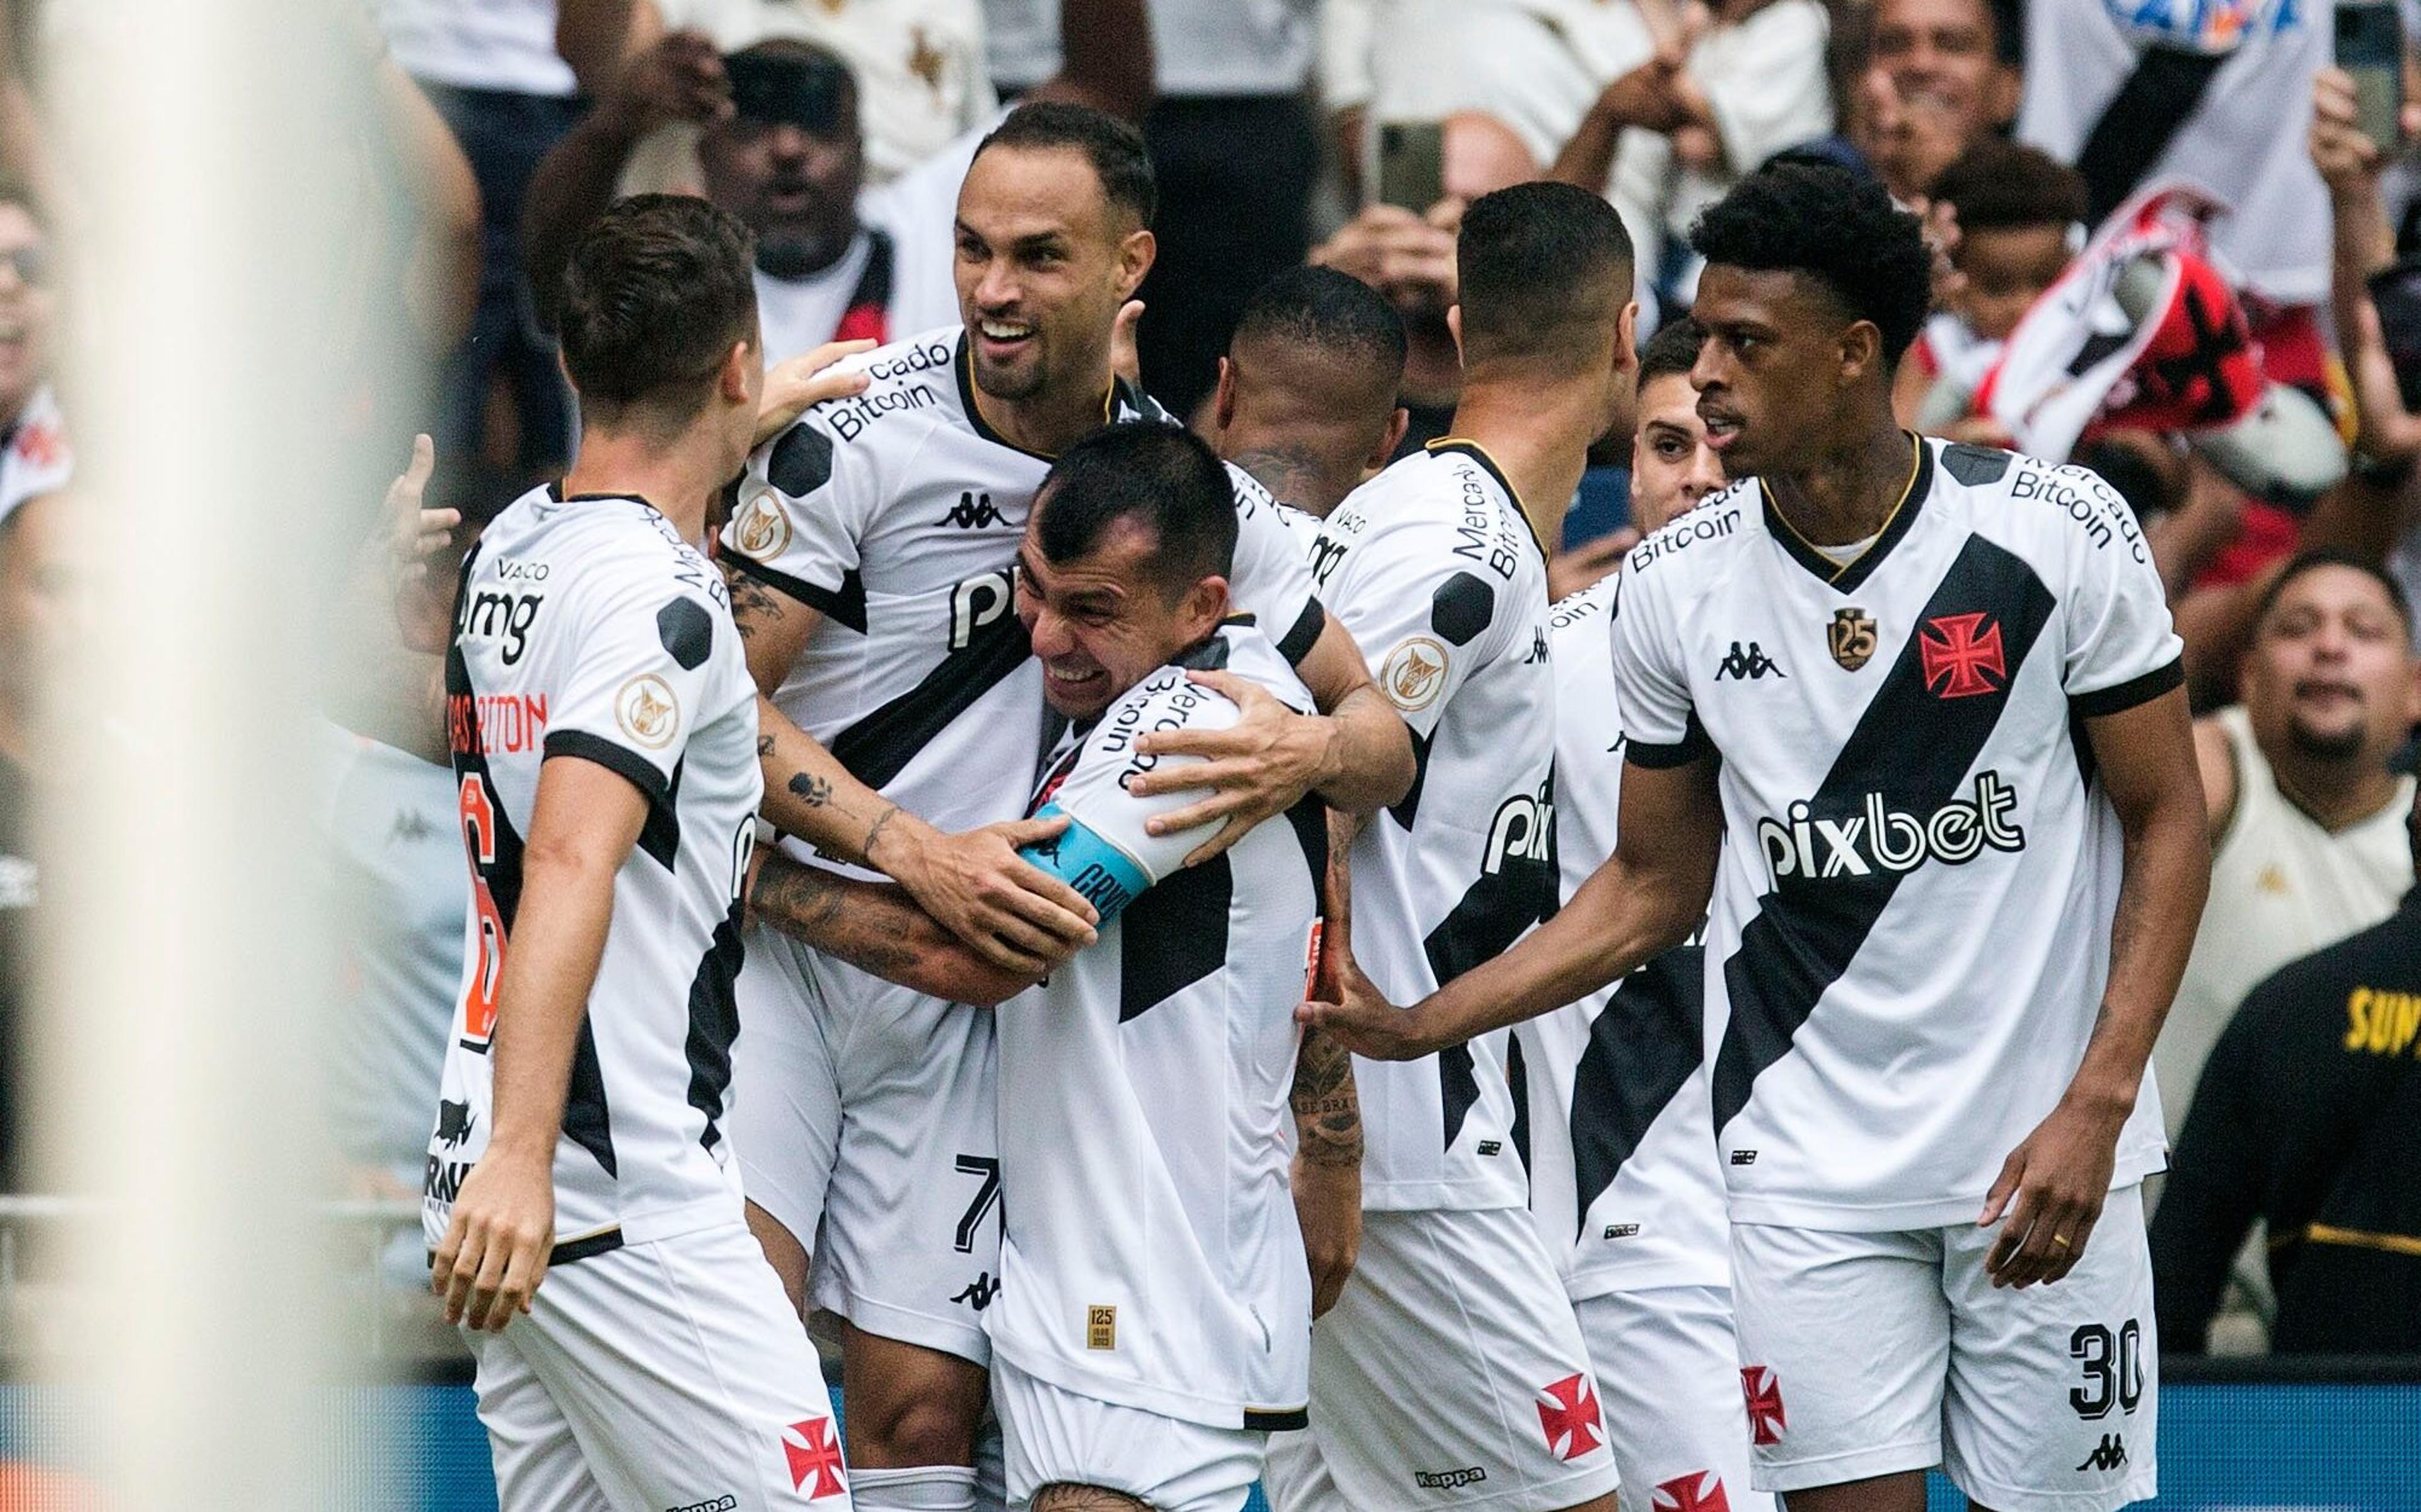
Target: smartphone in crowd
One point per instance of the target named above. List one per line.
(1411, 165)
(2370, 47)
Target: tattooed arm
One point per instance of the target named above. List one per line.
(1327, 1112)
(877, 928)
(975, 884)
(2053, 1186)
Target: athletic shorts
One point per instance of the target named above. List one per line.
(1051, 1436)
(1669, 1377)
(866, 1109)
(669, 1375)
(1875, 1353)
(1450, 1374)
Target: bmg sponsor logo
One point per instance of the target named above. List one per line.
(1875, 838)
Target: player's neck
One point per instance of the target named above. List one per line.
(1847, 495)
(1052, 421)
(1539, 441)
(681, 479)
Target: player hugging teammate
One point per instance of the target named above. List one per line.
(1083, 781)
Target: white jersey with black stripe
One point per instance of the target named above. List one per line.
(896, 514)
(1149, 1253)
(1432, 567)
(1620, 1149)
(586, 628)
(1910, 926)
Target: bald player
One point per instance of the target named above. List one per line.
(1309, 389)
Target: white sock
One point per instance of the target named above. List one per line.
(919, 1488)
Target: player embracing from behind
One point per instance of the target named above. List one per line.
(604, 727)
(1912, 714)
(1451, 1373)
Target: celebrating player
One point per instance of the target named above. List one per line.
(604, 729)
(1308, 392)
(1451, 1371)
(873, 547)
(1912, 714)
(1623, 1179)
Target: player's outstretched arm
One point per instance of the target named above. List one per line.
(1328, 1113)
(1016, 917)
(2052, 1188)
(1357, 755)
(1645, 900)
(876, 927)
(583, 824)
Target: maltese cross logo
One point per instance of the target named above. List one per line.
(1701, 1491)
(1568, 1412)
(1763, 1390)
(817, 1460)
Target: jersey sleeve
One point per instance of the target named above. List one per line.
(1423, 616)
(1106, 853)
(802, 506)
(1272, 579)
(2122, 651)
(1660, 725)
(642, 671)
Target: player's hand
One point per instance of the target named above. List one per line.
(414, 536)
(495, 1249)
(1125, 352)
(1328, 1208)
(796, 384)
(2050, 1195)
(1362, 1021)
(1008, 911)
(1570, 572)
(1257, 768)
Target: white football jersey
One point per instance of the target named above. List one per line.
(1432, 567)
(587, 628)
(1149, 1255)
(1910, 925)
(1620, 1140)
(896, 514)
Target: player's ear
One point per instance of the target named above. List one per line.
(1223, 401)
(1626, 344)
(1205, 606)
(1454, 327)
(731, 379)
(1397, 423)
(1137, 253)
(1862, 350)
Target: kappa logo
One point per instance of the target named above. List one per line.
(725, 1503)
(1962, 656)
(974, 511)
(1762, 1390)
(1749, 665)
(1701, 1491)
(980, 1291)
(1449, 1480)
(1538, 648)
(814, 1454)
(410, 826)
(1568, 1415)
(2110, 1454)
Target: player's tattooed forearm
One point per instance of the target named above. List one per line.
(1327, 1113)
(752, 603)
(764, 746)
(874, 831)
(1288, 472)
(813, 905)
(816, 792)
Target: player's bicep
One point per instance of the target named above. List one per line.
(586, 815)
(1334, 667)
(774, 626)
(1670, 830)
(2143, 757)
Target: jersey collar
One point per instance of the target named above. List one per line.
(1477, 453)
(1845, 576)
(964, 367)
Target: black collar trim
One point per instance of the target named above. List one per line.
(1845, 577)
(1479, 454)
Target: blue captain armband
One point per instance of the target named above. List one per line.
(1106, 876)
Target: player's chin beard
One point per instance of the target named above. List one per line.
(1012, 386)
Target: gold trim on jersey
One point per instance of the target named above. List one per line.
(1915, 470)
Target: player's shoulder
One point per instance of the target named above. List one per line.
(2034, 507)
(1701, 542)
(1447, 496)
(910, 386)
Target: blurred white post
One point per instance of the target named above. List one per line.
(214, 330)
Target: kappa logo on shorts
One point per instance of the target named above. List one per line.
(1449, 1480)
(2110, 1454)
(1567, 1414)
(814, 1454)
(1762, 1390)
(1701, 1491)
(725, 1503)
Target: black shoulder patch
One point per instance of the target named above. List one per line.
(802, 461)
(1976, 465)
(687, 631)
(1462, 608)
(1211, 656)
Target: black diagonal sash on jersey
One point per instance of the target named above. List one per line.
(714, 1024)
(1640, 1052)
(1175, 935)
(1913, 749)
(877, 747)
(1498, 909)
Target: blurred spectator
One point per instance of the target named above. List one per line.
(919, 64)
(38, 614)
(2307, 821)
(2309, 1119)
(1307, 391)
(35, 457)
(1409, 257)
(2018, 213)
(2215, 95)
(495, 70)
(1940, 76)
(1672, 467)
(1676, 134)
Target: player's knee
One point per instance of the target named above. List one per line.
(1067, 1496)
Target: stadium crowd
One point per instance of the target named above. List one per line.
(1373, 254)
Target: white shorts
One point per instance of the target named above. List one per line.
(866, 1107)
(1051, 1436)
(1450, 1374)
(1875, 1353)
(1668, 1375)
(663, 1374)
